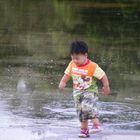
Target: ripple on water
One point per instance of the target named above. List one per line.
(120, 115)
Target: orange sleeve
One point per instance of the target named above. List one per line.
(68, 69)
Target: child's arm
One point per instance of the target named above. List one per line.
(64, 81)
(105, 82)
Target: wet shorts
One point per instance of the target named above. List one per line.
(85, 104)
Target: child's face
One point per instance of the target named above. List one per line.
(79, 59)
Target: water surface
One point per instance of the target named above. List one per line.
(34, 52)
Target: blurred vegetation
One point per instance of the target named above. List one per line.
(38, 34)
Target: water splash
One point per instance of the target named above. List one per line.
(21, 86)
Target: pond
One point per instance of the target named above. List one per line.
(34, 52)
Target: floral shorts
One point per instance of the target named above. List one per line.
(85, 104)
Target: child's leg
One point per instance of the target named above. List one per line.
(96, 122)
(84, 124)
(84, 133)
(96, 126)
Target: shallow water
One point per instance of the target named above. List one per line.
(36, 115)
(55, 108)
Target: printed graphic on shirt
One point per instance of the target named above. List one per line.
(79, 71)
(84, 78)
(81, 82)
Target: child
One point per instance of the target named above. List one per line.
(84, 73)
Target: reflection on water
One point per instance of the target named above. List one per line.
(34, 40)
(55, 108)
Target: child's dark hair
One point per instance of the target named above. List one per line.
(78, 47)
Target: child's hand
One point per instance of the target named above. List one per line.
(63, 81)
(62, 85)
(106, 90)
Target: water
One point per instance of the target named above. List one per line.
(34, 40)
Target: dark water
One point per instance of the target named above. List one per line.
(34, 44)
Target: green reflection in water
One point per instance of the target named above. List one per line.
(36, 35)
